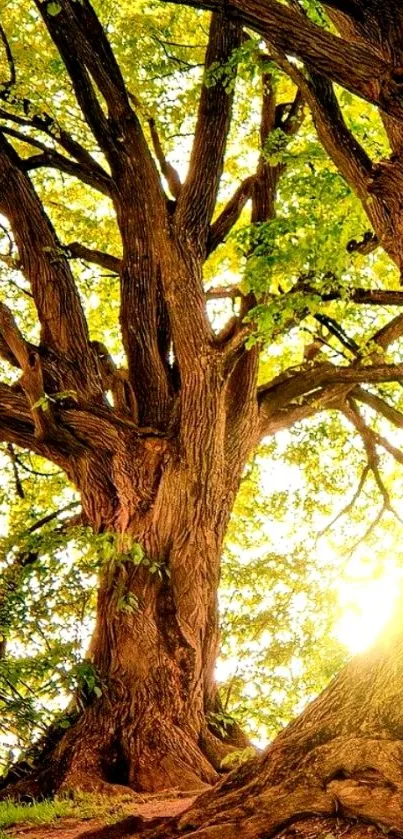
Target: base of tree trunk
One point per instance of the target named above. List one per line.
(96, 754)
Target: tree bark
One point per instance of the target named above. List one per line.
(341, 758)
(160, 507)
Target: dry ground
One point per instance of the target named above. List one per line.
(154, 808)
(150, 808)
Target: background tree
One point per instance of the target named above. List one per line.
(156, 447)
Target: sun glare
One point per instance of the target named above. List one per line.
(367, 605)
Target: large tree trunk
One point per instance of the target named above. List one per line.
(343, 757)
(160, 508)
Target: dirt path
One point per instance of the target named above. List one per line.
(68, 828)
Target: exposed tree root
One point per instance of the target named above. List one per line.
(343, 757)
(368, 799)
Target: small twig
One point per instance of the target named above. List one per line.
(51, 516)
(370, 529)
(35, 471)
(11, 64)
(230, 688)
(370, 440)
(392, 450)
(175, 58)
(18, 484)
(348, 507)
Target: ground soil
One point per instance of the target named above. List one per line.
(149, 808)
(153, 809)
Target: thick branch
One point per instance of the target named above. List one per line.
(339, 142)
(17, 426)
(6, 85)
(46, 124)
(267, 176)
(379, 405)
(375, 22)
(367, 244)
(389, 333)
(291, 123)
(272, 421)
(117, 382)
(81, 57)
(230, 214)
(105, 260)
(92, 175)
(276, 413)
(64, 38)
(138, 195)
(52, 160)
(59, 308)
(346, 152)
(361, 296)
(169, 172)
(199, 193)
(243, 408)
(87, 55)
(32, 379)
(77, 26)
(6, 354)
(281, 393)
(359, 69)
(224, 293)
(143, 318)
(12, 337)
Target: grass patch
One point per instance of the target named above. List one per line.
(47, 812)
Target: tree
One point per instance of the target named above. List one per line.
(342, 756)
(157, 448)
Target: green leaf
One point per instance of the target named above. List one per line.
(53, 8)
